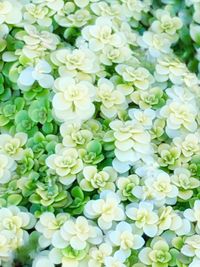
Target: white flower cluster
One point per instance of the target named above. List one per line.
(119, 230)
(11, 151)
(13, 234)
(127, 110)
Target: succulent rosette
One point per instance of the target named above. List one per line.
(100, 133)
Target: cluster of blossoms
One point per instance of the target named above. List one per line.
(100, 133)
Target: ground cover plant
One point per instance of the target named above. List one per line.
(100, 133)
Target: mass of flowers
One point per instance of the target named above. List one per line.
(100, 133)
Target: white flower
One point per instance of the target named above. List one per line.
(7, 246)
(166, 23)
(125, 238)
(82, 3)
(55, 5)
(191, 247)
(189, 145)
(196, 10)
(179, 116)
(156, 44)
(145, 193)
(149, 170)
(76, 19)
(161, 187)
(68, 257)
(111, 55)
(12, 146)
(48, 225)
(157, 254)
(140, 77)
(13, 219)
(94, 179)
(13, 224)
(169, 67)
(106, 209)
(121, 167)
(131, 140)
(148, 98)
(7, 166)
(169, 220)
(145, 117)
(185, 183)
(133, 8)
(112, 10)
(74, 136)
(76, 233)
(73, 100)
(25, 78)
(195, 262)
(10, 11)
(114, 262)
(126, 185)
(111, 100)
(37, 14)
(39, 73)
(131, 36)
(37, 42)
(66, 163)
(42, 260)
(193, 215)
(181, 93)
(70, 62)
(191, 80)
(98, 254)
(101, 34)
(144, 217)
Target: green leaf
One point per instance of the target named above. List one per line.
(94, 146)
(6, 94)
(14, 73)
(6, 68)
(3, 44)
(19, 102)
(47, 128)
(29, 95)
(34, 198)
(1, 88)
(1, 78)
(38, 137)
(14, 199)
(21, 115)
(174, 253)
(3, 120)
(76, 192)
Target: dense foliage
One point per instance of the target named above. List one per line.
(100, 133)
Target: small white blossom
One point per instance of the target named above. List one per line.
(13, 146)
(102, 180)
(73, 100)
(7, 166)
(125, 238)
(101, 34)
(66, 163)
(39, 73)
(193, 215)
(131, 140)
(76, 233)
(107, 209)
(144, 217)
(48, 225)
(98, 254)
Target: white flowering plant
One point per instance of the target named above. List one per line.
(99, 133)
